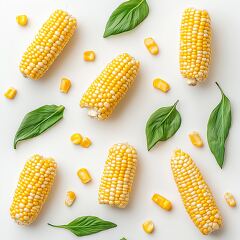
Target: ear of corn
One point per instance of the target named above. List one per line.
(195, 45)
(196, 195)
(118, 175)
(33, 187)
(48, 44)
(111, 85)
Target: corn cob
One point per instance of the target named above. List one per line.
(195, 45)
(118, 175)
(111, 85)
(48, 44)
(196, 195)
(33, 187)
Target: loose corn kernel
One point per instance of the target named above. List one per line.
(65, 85)
(148, 226)
(10, 93)
(151, 45)
(196, 195)
(76, 138)
(22, 20)
(230, 199)
(86, 142)
(162, 202)
(89, 56)
(71, 196)
(195, 139)
(161, 85)
(118, 175)
(84, 175)
(34, 185)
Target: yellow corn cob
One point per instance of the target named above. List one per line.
(195, 45)
(118, 175)
(33, 187)
(196, 195)
(48, 44)
(112, 84)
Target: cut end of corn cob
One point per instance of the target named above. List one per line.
(195, 45)
(33, 187)
(118, 175)
(196, 195)
(111, 85)
(48, 44)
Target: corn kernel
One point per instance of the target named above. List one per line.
(22, 20)
(230, 199)
(71, 196)
(161, 85)
(65, 85)
(195, 139)
(84, 175)
(162, 202)
(89, 56)
(148, 226)
(86, 142)
(10, 93)
(151, 46)
(76, 138)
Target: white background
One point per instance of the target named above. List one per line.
(127, 123)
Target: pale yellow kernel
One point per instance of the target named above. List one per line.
(86, 142)
(195, 139)
(65, 85)
(84, 175)
(89, 56)
(161, 85)
(10, 93)
(22, 20)
(76, 138)
(148, 226)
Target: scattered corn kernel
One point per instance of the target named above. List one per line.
(89, 56)
(148, 226)
(230, 199)
(84, 175)
(151, 45)
(65, 85)
(195, 139)
(71, 196)
(22, 20)
(162, 202)
(161, 85)
(10, 93)
(76, 138)
(86, 142)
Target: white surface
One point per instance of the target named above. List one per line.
(127, 123)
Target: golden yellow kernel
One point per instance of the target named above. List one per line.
(71, 196)
(161, 85)
(22, 20)
(230, 199)
(10, 93)
(89, 56)
(162, 202)
(195, 139)
(76, 138)
(151, 45)
(148, 226)
(84, 175)
(65, 85)
(86, 142)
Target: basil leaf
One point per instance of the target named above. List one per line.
(123, 239)
(37, 121)
(86, 225)
(126, 17)
(162, 125)
(218, 127)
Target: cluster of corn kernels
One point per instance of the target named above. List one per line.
(10, 93)
(195, 139)
(161, 85)
(195, 45)
(195, 193)
(49, 42)
(162, 202)
(34, 184)
(107, 90)
(84, 175)
(118, 175)
(78, 139)
(230, 199)
(151, 45)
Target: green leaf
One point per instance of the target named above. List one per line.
(38, 121)
(86, 225)
(126, 17)
(218, 127)
(123, 239)
(162, 125)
